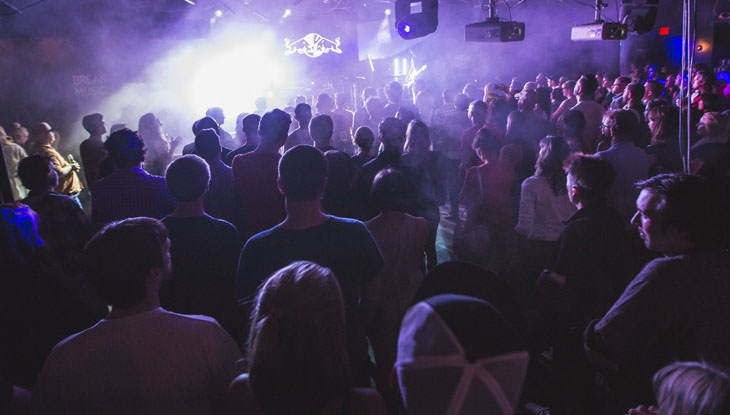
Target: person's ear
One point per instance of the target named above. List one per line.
(574, 193)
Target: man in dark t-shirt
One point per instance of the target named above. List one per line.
(308, 234)
(204, 250)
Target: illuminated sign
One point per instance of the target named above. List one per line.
(312, 45)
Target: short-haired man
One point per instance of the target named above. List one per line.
(586, 277)
(259, 205)
(250, 127)
(204, 249)
(585, 91)
(129, 191)
(630, 163)
(677, 307)
(216, 113)
(219, 199)
(633, 95)
(303, 115)
(139, 359)
(308, 234)
(617, 92)
(711, 153)
(321, 128)
(92, 149)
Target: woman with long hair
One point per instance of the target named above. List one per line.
(297, 351)
(159, 147)
(663, 148)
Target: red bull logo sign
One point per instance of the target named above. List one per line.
(312, 45)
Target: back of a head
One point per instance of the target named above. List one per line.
(461, 102)
(486, 141)
(204, 123)
(392, 133)
(147, 123)
(251, 123)
(125, 148)
(320, 128)
(91, 122)
(187, 178)
(302, 172)
(325, 103)
(389, 192)
(19, 238)
(693, 388)
(716, 124)
(588, 85)
(574, 122)
(623, 123)
(36, 172)
(691, 205)
(364, 137)
(216, 113)
(274, 126)
(208, 144)
(394, 91)
(374, 106)
(592, 176)
(303, 112)
(551, 161)
(448, 337)
(635, 90)
(478, 111)
(297, 344)
(655, 87)
(417, 137)
(119, 258)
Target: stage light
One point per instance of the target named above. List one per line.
(416, 18)
(396, 63)
(219, 13)
(286, 14)
(492, 29)
(599, 31)
(387, 12)
(663, 31)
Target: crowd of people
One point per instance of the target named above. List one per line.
(292, 267)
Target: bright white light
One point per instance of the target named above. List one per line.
(396, 72)
(387, 12)
(405, 66)
(212, 20)
(219, 13)
(286, 14)
(220, 70)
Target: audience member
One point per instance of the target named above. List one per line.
(140, 358)
(303, 114)
(630, 163)
(568, 88)
(129, 191)
(69, 183)
(585, 90)
(250, 125)
(307, 233)
(159, 147)
(227, 141)
(204, 249)
(402, 239)
(617, 92)
(342, 122)
(394, 94)
(220, 198)
(677, 305)
(457, 354)
(297, 350)
(63, 225)
(321, 128)
(92, 149)
(711, 154)
(259, 205)
(13, 153)
(663, 149)
(364, 140)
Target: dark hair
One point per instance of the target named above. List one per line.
(251, 122)
(300, 108)
(665, 128)
(274, 126)
(690, 205)
(320, 128)
(486, 141)
(364, 137)
(204, 123)
(389, 191)
(125, 148)
(394, 90)
(588, 85)
(593, 177)
(417, 137)
(711, 102)
(120, 256)
(623, 123)
(551, 162)
(392, 133)
(655, 87)
(208, 144)
(90, 121)
(636, 89)
(35, 172)
(575, 123)
(302, 171)
(187, 177)
(461, 102)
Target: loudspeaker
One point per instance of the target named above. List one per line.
(639, 15)
(416, 18)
